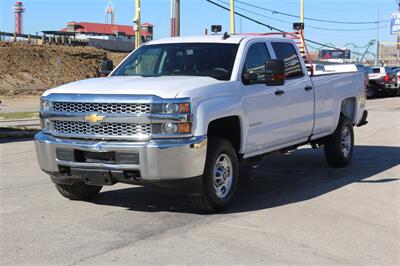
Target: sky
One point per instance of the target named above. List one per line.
(197, 15)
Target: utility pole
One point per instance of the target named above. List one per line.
(178, 17)
(398, 38)
(232, 9)
(302, 11)
(377, 34)
(175, 18)
(136, 21)
(302, 50)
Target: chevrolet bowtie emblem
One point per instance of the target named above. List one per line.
(94, 118)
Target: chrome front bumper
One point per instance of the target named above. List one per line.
(162, 160)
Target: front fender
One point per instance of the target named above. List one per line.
(218, 107)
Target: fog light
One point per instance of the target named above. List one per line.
(46, 124)
(169, 128)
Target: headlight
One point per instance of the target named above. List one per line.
(45, 105)
(171, 108)
(174, 108)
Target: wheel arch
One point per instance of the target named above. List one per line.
(229, 128)
(348, 108)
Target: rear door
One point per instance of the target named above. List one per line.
(299, 93)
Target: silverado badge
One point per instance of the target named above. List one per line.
(94, 118)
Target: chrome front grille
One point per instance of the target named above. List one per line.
(101, 130)
(103, 108)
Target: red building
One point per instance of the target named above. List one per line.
(86, 30)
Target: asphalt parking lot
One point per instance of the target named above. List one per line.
(288, 210)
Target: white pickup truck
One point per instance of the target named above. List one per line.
(181, 113)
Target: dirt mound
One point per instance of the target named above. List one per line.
(25, 67)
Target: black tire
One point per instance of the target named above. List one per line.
(336, 153)
(372, 92)
(209, 201)
(78, 191)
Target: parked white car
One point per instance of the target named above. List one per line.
(181, 113)
(382, 82)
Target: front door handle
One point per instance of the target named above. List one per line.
(279, 92)
(308, 88)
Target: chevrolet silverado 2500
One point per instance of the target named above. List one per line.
(181, 113)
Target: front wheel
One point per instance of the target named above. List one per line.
(339, 146)
(78, 191)
(220, 178)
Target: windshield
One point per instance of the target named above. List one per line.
(181, 59)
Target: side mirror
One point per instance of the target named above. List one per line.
(249, 78)
(106, 67)
(275, 72)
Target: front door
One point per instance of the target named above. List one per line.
(265, 109)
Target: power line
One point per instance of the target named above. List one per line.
(269, 26)
(313, 19)
(313, 27)
(364, 29)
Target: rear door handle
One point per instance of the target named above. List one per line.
(279, 92)
(308, 88)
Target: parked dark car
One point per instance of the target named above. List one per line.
(396, 71)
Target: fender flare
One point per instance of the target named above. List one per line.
(216, 108)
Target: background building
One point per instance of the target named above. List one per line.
(388, 54)
(89, 30)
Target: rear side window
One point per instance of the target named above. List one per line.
(287, 52)
(255, 60)
(376, 70)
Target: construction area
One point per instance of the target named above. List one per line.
(30, 69)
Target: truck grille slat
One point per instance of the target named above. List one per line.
(104, 129)
(104, 108)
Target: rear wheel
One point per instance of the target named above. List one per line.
(78, 191)
(220, 177)
(371, 92)
(339, 146)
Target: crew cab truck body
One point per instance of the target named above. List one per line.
(180, 113)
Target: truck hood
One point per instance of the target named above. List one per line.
(164, 87)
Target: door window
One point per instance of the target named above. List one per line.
(285, 51)
(255, 60)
